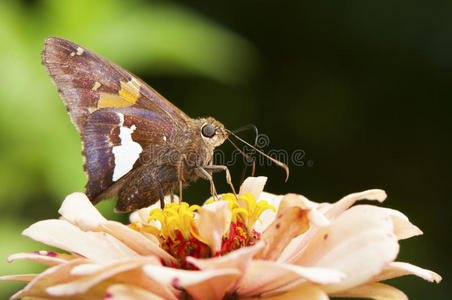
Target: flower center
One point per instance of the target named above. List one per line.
(245, 213)
(177, 229)
(179, 234)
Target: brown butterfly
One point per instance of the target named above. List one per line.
(136, 144)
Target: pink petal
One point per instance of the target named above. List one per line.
(360, 245)
(129, 292)
(238, 259)
(340, 206)
(44, 257)
(291, 222)
(213, 222)
(295, 248)
(314, 216)
(304, 292)
(19, 277)
(90, 277)
(403, 228)
(135, 240)
(51, 276)
(79, 210)
(98, 246)
(253, 185)
(397, 269)
(138, 278)
(206, 285)
(377, 291)
(266, 276)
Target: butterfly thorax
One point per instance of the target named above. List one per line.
(186, 149)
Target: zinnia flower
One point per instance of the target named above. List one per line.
(259, 245)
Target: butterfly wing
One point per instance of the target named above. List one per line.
(88, 82)
(116, 113)
(114, 141)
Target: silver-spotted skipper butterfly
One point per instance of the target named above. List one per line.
(136, 144)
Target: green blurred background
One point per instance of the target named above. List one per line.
(363, 87)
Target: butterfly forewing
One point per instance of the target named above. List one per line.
(116, 113)
(88, 82)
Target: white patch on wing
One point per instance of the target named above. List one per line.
(164, 138)
(127, 153)
(80, 51)
(96, 86)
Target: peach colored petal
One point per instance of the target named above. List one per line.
(51, 276)
(48, 258)
(295, 248)
(376, 290)
(206, 285)
(266, 276)
(403, 228)
(137, 277)
(141, 215)
(129, 292)
(305, 292)
(238, 259)
(356, 244)
(291, 222)
(19, 277)
(253, 185)
(340, 206)
(98, 246)
(397, 269)
(213, 222)
(89, 277)
(78, 210)
(314, 216)
(135, 241)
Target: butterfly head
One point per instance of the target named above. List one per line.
(212, 132)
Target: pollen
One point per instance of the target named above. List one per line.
(245, 209)
(245, 213)
(178, 232)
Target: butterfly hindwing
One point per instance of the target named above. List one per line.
(114, 139)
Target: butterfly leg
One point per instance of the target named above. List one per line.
(218, 168)
(180, 175)
(206, 175)
(180, 190)
(162, 197)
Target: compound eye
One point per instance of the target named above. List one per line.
(208, 130)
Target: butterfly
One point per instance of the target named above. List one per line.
(136, 144)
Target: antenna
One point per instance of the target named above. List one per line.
(277, 162)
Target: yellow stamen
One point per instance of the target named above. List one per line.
(245, 209)
(176, 218)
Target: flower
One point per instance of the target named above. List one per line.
(259, 245)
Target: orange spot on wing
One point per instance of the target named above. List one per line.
(109, 100)
(127, 96)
